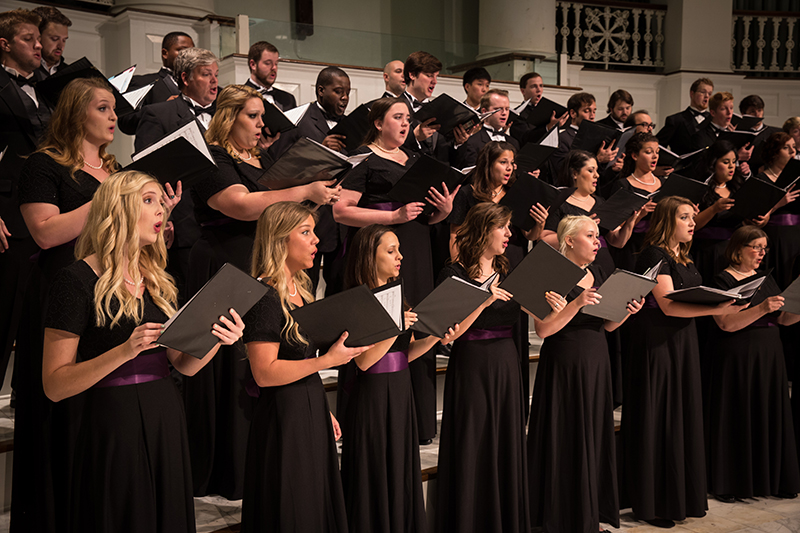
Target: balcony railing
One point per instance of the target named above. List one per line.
(611, 33)
(763, 43)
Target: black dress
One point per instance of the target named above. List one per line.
(749, 430)
(662, 422)
(710, 241)
(374, 178)
(381, 472)
(515, 252)
(625, 257)
(218, 408)
(482, 481)
(783, 230)
(132, 469)
(292, 480)
(44, 432)
(572, 464)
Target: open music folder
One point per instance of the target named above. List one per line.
(189, 329)
(619, 289)
(450, 303)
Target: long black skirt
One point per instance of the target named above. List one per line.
(381, 472)
(132, 471)
(662, 419)
(749, 428)
(482, 476)
(292, 480)
(571, 451)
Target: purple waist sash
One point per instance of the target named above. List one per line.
(650, 302)
(499, 332)
(143, 368)
(642, 226)
(391, 362)
(715, 234)
(764, 322)
(385, 206)
(784, 220)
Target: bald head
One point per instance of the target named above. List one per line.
(393, 77)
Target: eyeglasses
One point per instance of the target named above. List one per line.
(758, 249)
(649, 125)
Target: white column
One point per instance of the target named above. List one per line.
(517, 25)
(697, 36)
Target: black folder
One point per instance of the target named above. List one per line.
(50, 88)
(542, 270)
(449, 303)
(303, 162)
(789, 174)
(354, 127)
(617, 292)
(618, 208)
(677, 185)
(275, 120)
(357, 311)
(189, 329)
(745, 122)
(526, 192)
(754, 198)
(738, 138)
(176, 160)
(532, 156)
(426, 172)
(711, 296)
(669, 159)
(448, 112)
(592, 135)
(542, 113)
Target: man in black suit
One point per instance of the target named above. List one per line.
(263, 62)
(753, 105)
(197, 71)
(531, 86)
(679, 128)
(24, 116)
(494, 129)
(393, 80)
(720, 106)
(54, 32)
(166, 83)
(620, 104)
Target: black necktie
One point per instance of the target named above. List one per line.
(200, 110)
(22, 82)
(331, 118)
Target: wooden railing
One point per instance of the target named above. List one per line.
(611, 33)
(763, 42)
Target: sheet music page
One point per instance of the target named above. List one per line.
(392, 300)
(190, 132)
(136, 96)
(297, 113)
(122, 80)
(551, 139)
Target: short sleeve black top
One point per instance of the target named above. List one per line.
(376, 176)
(498, 314)
(582, 320)
(568, 209)
(231, 172)
(265, 323)
(43, 180)
(725, 281)
(71, 309)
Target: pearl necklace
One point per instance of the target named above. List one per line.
(495, 193)
(723, 186)
(295, 289)
(644, 182)
(132, 284)
(242, 158)
(92, 166)
(741, 273)
(384, 150)
(580, 199)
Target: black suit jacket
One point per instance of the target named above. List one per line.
(610, 122)
(705, 135)
(157, 121)
(565, 138)
(16, 133)
(467, 154)
(162, 91)
(284, 100)
(678, 131)
(43, 72)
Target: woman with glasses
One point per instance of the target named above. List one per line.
(750, 440)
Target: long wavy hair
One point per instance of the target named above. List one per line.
(663, 223)
(230, 102)
(63, 140)
(573, 163)
(362, 249)
(378, 111)
(111, 233)
(269, 258)
(482, 185)
(472, 237)
(708, 168)
(634, 146)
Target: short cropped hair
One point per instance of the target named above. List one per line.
(523, 81)
(420, 62)
(191, 58)
(791, 123)
(578, 100)
(486, 98)
(51, 15)
(616, 96)
(718, 99)
(258, 49)
(476, 73)
(631, 120)
(701, 81)
(752, 101)
(326, 75)
(171, 38)
(10, 20)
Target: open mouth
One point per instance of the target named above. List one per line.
(157, 226)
